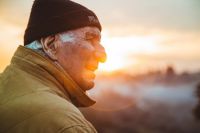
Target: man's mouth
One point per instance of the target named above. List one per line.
(90, 72)
(92, 67)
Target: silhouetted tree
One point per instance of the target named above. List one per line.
(170, 71)
(197, 109)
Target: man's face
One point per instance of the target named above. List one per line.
(79, 52)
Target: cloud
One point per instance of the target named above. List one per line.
(155, 14)
(136, 15)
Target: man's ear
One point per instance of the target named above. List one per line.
(49, 46)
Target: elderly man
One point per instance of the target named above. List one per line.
(48, 77)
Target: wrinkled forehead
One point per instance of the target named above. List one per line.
(82, 32)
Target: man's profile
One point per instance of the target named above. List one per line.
(48, 77)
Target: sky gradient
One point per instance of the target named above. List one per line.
(137, 34)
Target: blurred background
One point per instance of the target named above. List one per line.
(149, 83)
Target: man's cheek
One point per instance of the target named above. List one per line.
(82, 52)
(87, 47)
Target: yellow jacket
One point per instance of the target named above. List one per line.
(37, 96)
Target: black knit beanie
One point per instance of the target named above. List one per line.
(49, 17)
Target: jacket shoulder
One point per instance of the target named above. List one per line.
(46, 112)
(78, 129)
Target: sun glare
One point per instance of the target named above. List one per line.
(114, 62)
(120, 49)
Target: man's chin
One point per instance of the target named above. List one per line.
(88, 84)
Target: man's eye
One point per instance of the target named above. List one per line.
(90, 39)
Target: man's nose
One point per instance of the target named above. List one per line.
(100, 54)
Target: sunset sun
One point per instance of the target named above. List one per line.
(121, 50)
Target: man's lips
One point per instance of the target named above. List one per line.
(92, 67)
(90, 71)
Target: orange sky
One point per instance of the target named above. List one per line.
(140, 35)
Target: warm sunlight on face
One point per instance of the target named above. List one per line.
(119, 49)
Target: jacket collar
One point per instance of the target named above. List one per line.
(43, 67)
